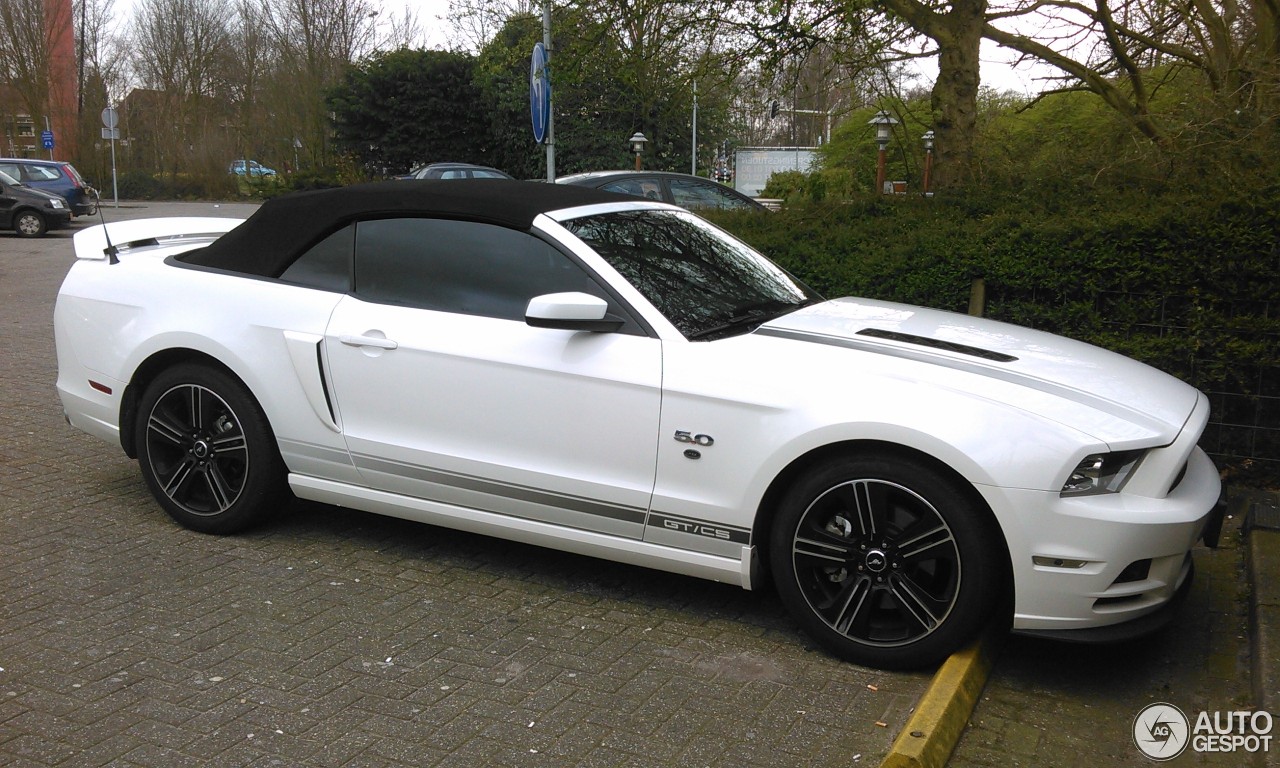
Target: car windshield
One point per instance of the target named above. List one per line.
(708, 284)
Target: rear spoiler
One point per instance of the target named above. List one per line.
(93, 243)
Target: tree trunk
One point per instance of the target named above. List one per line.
(955, 93)
(958, 33)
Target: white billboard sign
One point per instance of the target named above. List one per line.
(754, 165)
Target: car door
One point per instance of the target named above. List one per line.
(445, 393)
(8, 201)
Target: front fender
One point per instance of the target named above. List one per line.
(769, 403)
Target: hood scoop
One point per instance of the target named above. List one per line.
(947, 346)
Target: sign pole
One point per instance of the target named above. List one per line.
(693, 160)
(551, 119)
(110, 122)
(115, 186)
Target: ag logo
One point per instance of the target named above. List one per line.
(1161, 731)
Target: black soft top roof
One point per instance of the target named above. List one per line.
(278, 232)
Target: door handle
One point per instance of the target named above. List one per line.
(367, 341)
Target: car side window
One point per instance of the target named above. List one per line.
(41, 173)
(697, 194)
(327, 265)
(650, 189)
(461, 266)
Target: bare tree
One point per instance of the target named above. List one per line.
(27, 41)
(403, 30)
(315, 40)
(1126, 50)
(475, 22)
(106, 69)
(103, 80)
(181, 49)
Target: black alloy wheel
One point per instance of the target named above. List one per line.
(885, 562)
(206, 450)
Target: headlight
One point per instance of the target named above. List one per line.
(1101, 473)
(55, 203)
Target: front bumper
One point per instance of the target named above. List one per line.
(1129, 630)
(1101, 561)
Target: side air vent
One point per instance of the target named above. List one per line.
(948, 346)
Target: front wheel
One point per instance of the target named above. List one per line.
(885, 561)
(206, 450)
(30, 224)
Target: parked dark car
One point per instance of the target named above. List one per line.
(692, 192)
(57, 177)
(30, 212)
(454, 171)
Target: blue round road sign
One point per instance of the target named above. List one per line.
(539, 93)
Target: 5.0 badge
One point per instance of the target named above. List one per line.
(706, 441)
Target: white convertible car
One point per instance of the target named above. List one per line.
(619, 378)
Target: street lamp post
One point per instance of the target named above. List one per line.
(884, 123)
(928, 160)
(637, 145)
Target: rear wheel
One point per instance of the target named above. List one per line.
(30, 224)
(885, 561)
(207, 451)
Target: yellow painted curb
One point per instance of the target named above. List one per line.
(931, 734)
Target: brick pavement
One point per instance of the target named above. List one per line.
(1052, 704)
(335, 638)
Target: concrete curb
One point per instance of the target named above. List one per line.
(940, 718)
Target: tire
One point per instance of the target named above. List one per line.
(884, 561)
(30, 224)
(207, 451)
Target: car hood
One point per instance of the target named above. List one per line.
(1042, 364)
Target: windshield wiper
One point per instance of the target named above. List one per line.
(749, 316)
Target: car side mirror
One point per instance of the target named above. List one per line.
(571, 312)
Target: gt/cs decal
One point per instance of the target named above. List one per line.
(696, 528)
(701, 528)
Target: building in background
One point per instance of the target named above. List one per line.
(64, 92)
(50, 99)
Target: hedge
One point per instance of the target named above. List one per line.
(1187, 286)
